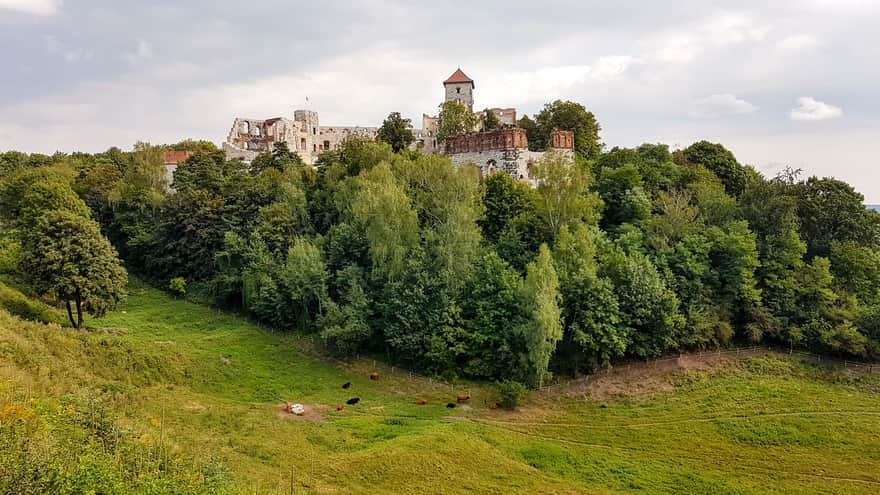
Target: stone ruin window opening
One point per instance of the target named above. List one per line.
(458, 90)
(314, 130)
(314, 148)
(326, 145)
(302, 144)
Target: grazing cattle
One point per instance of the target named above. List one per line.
(421, 402)
(287, 406)
(493, 405)
(451, 405)
(374, 376)
(340, 407)
(463, 398)
(353, 401)
(346, 385)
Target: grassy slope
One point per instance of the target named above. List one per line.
(768, 426)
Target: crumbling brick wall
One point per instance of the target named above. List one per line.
(500, 139)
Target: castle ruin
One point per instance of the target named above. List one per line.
(499, 150)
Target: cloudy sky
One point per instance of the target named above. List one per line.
(795, 83)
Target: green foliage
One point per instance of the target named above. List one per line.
(511, 394)
(831, 211)
(567, 116)
(646, 304)
(624, 197)
(490, 120)
(720, 162)
(18, 304)
(396, 131)
(390, 222)
(594, 333)
(65, 255)
(563, 196)
(544, 328)
(177, 286)
(454, 119)
(280, 158)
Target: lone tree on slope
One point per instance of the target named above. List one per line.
(64, 254)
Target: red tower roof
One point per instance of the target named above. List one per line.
(458, 77)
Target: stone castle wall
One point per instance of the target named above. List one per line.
(304, 135)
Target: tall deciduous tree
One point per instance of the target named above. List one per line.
(563, 196)
(390, 222)
(569, 116)
(454, 119)
(721, 162)
(831, 210)
(396, 131)
(544, 330)
(64, 254)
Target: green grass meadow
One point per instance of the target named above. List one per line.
(208, 385)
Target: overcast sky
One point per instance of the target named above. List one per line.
(795, 83)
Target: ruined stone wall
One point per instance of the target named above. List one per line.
(426, 137)
(489, 140)
(513, 161)
(563, 140)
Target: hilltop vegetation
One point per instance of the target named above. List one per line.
(630, 253)
(622, 254)
(143, 403)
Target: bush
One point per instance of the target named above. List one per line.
(177, 286)
(511, 393)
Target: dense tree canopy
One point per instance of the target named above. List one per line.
(628, 253)
(396, 131)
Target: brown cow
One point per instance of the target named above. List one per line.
(421, 402)
(340, 407)
(463, 398)
(374, 376)
(493, 405)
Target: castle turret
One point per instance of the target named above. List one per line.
(460, 88)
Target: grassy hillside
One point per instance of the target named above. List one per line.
(206, 387)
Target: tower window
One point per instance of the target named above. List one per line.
(458, 90)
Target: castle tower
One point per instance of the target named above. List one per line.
(459, 87)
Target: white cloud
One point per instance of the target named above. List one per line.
(36, 7)
(720, 105)
(810, 109)
(143, 51)
(70, 55)
(678, 49)
(611, 67)
(797, 42)
(732, 28)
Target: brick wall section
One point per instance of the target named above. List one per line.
(175, 157)
(563, 140)
(501, 139)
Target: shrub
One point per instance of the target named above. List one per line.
(177, 286)
(511, 393)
